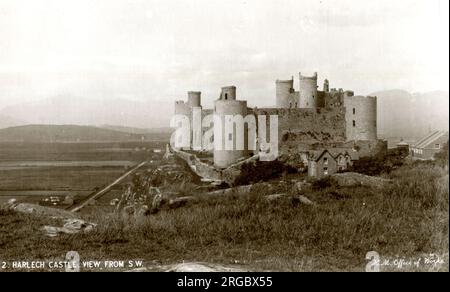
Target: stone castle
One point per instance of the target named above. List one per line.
(310, 120)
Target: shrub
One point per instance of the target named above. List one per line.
(381, 163)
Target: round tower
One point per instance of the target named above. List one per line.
(194, 98)
(182, 108)
(226, 109)
(308, 91)
(360, 117)
(228, 93)
(326, 85)
(284, 88)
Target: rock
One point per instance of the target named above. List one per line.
(142, 211)
(350, 179)
(68, 200)
(201, 267)
(276, 197)
(12, 201)
(181, 201)
(9, 205)
(296, 199)
(128, 210)
(114, 202)
(301, 185)
(71, 226)
(157, 202)
(189, 267)
(241, 190)
(305, 200)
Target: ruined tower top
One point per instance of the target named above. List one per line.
(228, 93)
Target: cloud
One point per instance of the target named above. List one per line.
(158, 50)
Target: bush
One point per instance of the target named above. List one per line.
(381, 163)
(256, 171)
(442, 156)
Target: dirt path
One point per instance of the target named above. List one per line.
(94, 196)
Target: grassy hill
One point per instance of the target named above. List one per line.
(405, 220)
(65, 133)
(134, 130)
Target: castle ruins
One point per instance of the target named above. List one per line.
(309, 121)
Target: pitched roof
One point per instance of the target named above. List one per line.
(316, 154)
(334, 153)
(429, 139)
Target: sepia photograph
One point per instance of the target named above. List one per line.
(237, 137)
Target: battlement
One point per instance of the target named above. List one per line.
(228, 93)
(303, 77)
(284, 81)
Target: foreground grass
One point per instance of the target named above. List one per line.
(405, 220)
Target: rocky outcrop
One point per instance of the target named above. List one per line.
(71, 222)
(351, 179)
(71, 226)
(34, 209)
(199, 167)
(295, 199)
(190, 267)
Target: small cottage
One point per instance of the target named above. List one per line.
(321, 163)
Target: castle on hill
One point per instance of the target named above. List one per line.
(309, 121)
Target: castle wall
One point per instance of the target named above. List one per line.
(361, 117)
(321, 95)
(333, 98)
(308, 91)
(301, 128)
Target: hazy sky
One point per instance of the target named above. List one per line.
(158, 50)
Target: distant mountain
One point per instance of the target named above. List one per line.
(7, 121)
(72, 110)
(64, 133)
(162, 130)
(402, 114)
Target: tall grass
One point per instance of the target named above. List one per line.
(407, 218)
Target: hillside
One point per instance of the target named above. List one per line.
(400, 113)
(75, 110)
(133, 130)
(64, 133)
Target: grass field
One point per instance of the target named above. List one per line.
(42, 169)
(406, 220)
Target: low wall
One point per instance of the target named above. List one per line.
(201, 168)
(235, 174)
